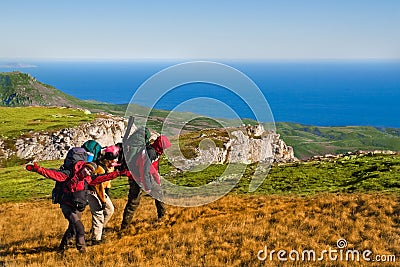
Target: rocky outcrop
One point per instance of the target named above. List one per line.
(106, 130)
(245, 145)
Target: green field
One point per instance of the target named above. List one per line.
(360, 174)
(309, 140)
(18, 121)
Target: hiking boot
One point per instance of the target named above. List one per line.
(124, 226)
(61, 250)
(62, 247)
(70, 244)
(104, 236)
(94, 242)
(82, 250)
(123, 232)
(163, 217)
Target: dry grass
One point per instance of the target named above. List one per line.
(228, 232)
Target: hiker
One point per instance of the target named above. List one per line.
(147, 175)
(100, 203)
(73, 200)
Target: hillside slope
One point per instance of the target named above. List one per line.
(308, 141)
(228, 232)
(21, 89)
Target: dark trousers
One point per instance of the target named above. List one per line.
(75, 227)
(133, 202)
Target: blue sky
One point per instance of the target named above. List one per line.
(207, 29)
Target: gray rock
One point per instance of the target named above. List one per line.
(245, 145)
(106, 130)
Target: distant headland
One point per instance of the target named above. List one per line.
(13, 65)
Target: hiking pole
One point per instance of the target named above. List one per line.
(131, 120)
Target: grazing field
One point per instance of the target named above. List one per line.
(228, 232)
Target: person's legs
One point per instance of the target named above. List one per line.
(131, 205)
(66, 239)
(160, 209)
(75, 227)
(158, 195)
(108, 211)
(97, 217)
(80, 233)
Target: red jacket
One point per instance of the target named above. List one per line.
(146, 164)
(145, 171)
(76, 183)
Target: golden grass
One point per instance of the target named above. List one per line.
(228, 232)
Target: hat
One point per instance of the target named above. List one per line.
(111, 152)
(162, 142)
(91, 165)
(92, 147)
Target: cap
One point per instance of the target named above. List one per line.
(111, 152)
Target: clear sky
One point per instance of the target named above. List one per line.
(206, 29)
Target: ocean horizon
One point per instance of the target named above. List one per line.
(321, 93)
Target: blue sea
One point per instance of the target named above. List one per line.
(323, 93)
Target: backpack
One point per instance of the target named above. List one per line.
(74, 155)
(80, 198)
(135, 144)
(142, 167)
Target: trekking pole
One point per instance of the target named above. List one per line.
(131, 120)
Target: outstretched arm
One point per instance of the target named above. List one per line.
(51, 174)
(109, 176)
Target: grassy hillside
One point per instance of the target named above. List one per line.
(301, 206)
(21, 89)
(228, 232)
(309, 140)
(21, 120)
(362, 174)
